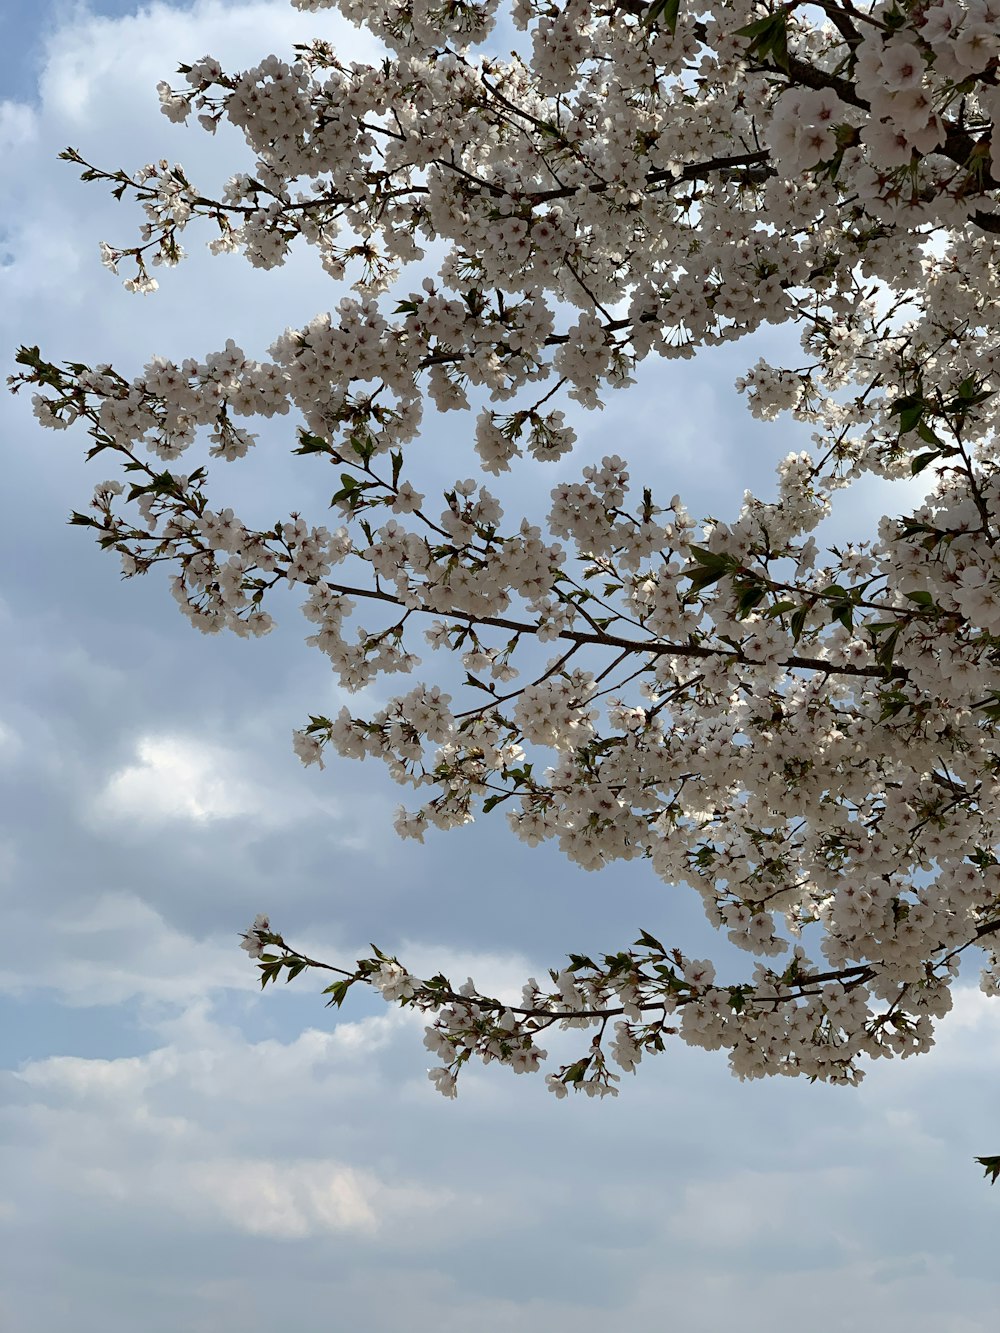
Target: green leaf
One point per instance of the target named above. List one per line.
(163, 483)
(618, 962)
(768, 37)
(909, 417)
(312, 444)
(749, 599)
(712, 559)
(841, 604)
(363, 445)
(779, 45)
(578, 960)
(791, 973)
(887, 647)
(920, 461)
(351, 490)
(709, 567)
(665, 12)
(650, 941)
(759, 28)
(905, 402)
(893, 702)
(671, 980)
(338, 992)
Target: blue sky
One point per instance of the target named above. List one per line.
(180, 1154)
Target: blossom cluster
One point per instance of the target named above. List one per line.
(808, 738)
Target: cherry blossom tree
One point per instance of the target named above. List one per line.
(807, 737)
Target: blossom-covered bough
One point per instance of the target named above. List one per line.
(809, 738)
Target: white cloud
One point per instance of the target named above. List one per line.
(184, 779)
(288, 1200)
(973, 1012)
(184, 1132)
(179, 778)
(477, 1213)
